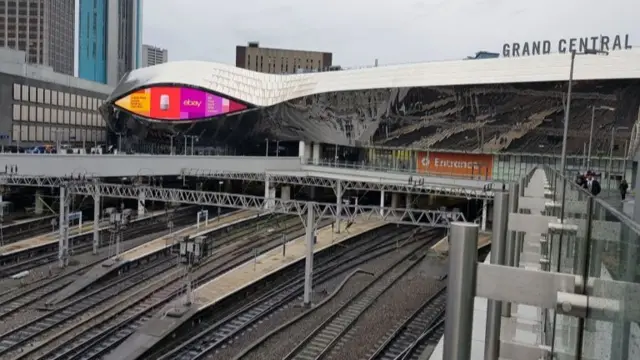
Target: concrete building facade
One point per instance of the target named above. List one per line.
(153, 55)
(39, 106)
(110, 39)
(281, 61)
(43, 29)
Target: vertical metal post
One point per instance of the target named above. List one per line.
(593, 116)
(520, 235)
(582, 269)
(567, 114)
(308, 266)
(61, 226)
(500, 216)
(610, 164)
(484, 215)
(96, 219)
(284, 245)
(511, 239)
(624, 159)
(338, 205)
(382, 203)
(463, 257)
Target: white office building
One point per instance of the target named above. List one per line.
(153, 55)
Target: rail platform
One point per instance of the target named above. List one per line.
(145, 250)
(229, 283)
(50, 238)
(30, 221)
(442, 247)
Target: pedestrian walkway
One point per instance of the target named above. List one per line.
(525, 322)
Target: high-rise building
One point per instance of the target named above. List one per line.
(281, 61)
(110, 39)
(152, 55)
(43, 29)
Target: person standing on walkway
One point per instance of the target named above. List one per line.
(592, 184)
(623, 188)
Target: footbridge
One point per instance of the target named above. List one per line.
(50, 169)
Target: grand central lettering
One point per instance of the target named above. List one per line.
(582, 44)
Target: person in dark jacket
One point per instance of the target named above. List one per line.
(593, 184)
(581, 181)
(623, 188)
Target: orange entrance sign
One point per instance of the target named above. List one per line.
(455, 164)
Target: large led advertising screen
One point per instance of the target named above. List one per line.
(177, 103)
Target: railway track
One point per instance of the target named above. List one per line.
(15, 231)
(404, 341)
(92, 339)
(33, 258)
(13, 341)
(217, 334)
(20, 299)
(325, 336)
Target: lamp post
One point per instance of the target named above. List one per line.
(610, 165)
(593, 116)
(171, 144)
(567, 112)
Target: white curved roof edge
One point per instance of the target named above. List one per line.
(269, 89)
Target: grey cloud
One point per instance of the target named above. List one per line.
(359, 31)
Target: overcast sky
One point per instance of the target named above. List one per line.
(393, 31)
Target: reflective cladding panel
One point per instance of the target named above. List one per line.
(510, 117)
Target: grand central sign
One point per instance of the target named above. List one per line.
(581, 44)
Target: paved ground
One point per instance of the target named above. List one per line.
(613, 198)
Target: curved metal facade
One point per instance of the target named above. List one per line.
(497, 104)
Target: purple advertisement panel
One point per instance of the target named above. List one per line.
(193, 104)
(177, 103)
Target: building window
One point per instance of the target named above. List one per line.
(16, 112)
(54, 97)
(73, 100)
(73, 118)
(40, 96)
(16, 132)
(24, 112)
(60, 116)
(54, 116)
(47, 96)
(67, 101)
(33, 94)
(39, 115)
(66, 114)
(16, 91)
(47, 115)
(32, 113)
